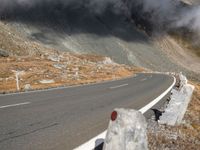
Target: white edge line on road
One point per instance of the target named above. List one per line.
(90, 145)
(14, 105)
(156, 100)
(115, 87)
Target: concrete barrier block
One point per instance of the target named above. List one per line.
(178, 103)
(126, 131)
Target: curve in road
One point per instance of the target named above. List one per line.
(65, 118)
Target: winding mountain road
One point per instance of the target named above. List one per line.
(64, 118)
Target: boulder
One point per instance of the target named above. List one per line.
(4, 53)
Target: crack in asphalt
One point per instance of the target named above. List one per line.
(27, 133)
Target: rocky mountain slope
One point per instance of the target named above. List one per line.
(53, 30)
(40, 67)
(76, 29)
(52, 45)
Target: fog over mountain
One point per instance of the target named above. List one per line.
(160, 12)
(120, 29)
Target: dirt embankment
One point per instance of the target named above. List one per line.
(58, 70)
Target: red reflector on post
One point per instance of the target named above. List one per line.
(114, 116)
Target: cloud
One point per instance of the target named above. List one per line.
(163, 14)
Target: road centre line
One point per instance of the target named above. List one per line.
(115, 87)
(14, 105)
(144, 79)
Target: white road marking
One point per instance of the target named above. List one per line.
(14, 105)
(115, 87)
(90, 145)
(68, 87)
(156, 100)
(143, 79)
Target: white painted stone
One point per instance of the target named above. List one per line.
(54, 58)
(127, 132)
(47, 81)
(27, 87)
(60, 66)
(107, 61)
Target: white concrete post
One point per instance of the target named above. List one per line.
(17, 75)
(126, 131)
(17, 80)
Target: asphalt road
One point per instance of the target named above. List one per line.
(65, 118)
